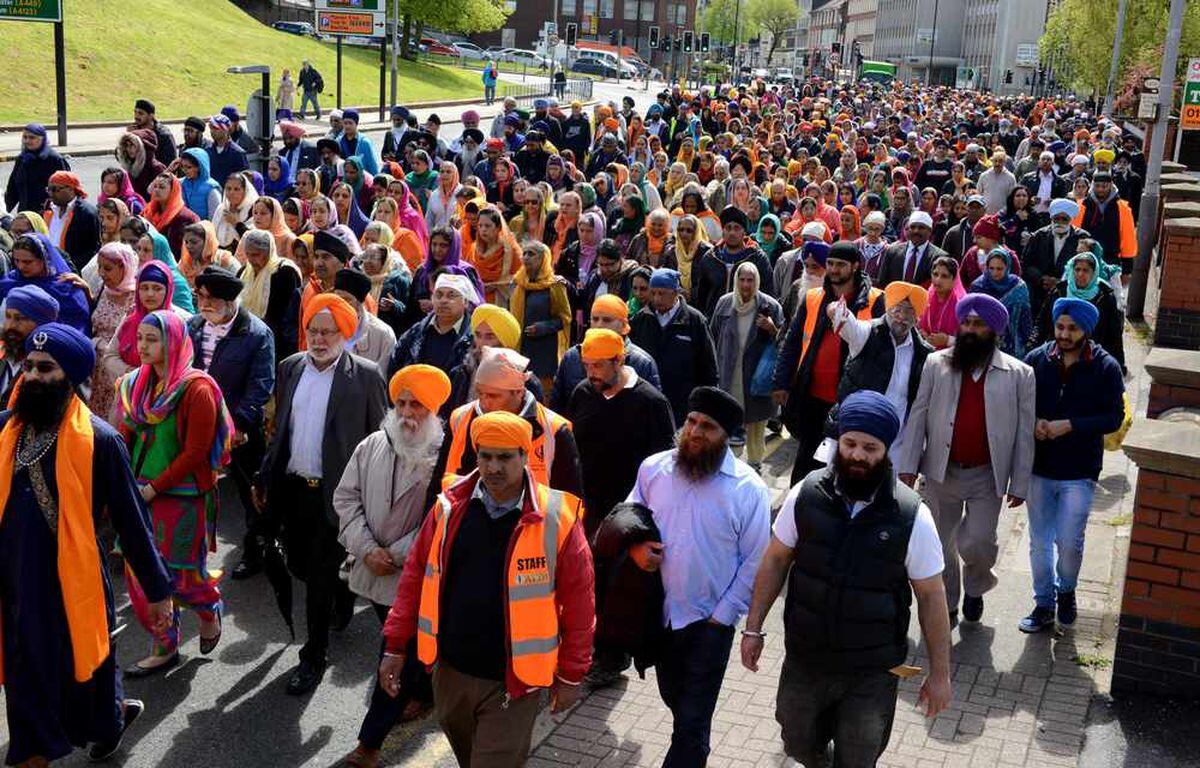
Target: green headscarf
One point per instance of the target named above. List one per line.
(182, 296)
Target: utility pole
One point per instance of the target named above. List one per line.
(1148, 213)
(395, 47)
(932, 40)
(1122, 6)
(737, 10)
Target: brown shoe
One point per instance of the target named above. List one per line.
(362, 757)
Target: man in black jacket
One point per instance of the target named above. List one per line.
(26, 187)
(311, 84)
(959, 238)
(714, 272)
(73, 222)
(577, 133)
(837, 685)
(1129, 184)
(1048, 250)
(676, 336)
(144, 117)
(1044, 184)
(911, 261)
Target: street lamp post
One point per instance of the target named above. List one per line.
(737, 9)
(932, 40)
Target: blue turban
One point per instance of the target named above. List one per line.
(70, 349)
(990, 310)
(1062, 205)
(665, 278)
(655, 109)
(541, 104)
(350, 114)
(870, 412)
(819, 252)
(33, 303)
(513, 120)
(1083, 312)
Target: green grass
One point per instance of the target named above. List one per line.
(175, 52)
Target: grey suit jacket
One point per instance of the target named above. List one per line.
(1009, 395)
(357, 403)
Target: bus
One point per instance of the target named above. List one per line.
(878, 72)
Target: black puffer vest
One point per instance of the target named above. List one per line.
(848, 593)
(872, 367)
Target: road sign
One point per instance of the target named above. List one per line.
(1147, 106)
(1151, 83)
(359, 24)
(353, 6)
(926, 35)
(30, 10)
(1027, 55)
(1189, 114)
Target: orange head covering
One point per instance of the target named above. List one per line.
(343, 314)
(610, 304)
(429, 385)
(602, 344)
(501, 368)
(898, 291)
(67, 179)
(501, 429)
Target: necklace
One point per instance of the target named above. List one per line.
(31, 450)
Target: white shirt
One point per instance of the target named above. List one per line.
(924, 557)
(1045, 190)
(665, 318)
(211, 335)
(913, 256)
(310, 403)
(631, 380)
(57, 220)
(855, 332)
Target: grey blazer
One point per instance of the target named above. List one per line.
(1009, 396)
(357, 403)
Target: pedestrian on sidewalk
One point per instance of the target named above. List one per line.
(26, 188)
(285, 98)
(497, 591)
(489, 77)
(144, 117)
(868, 541)
(714, 513)
(311, 84)
(392, 480)
(178, 430)
(57, 600)
(1079, 401)
(970, 434)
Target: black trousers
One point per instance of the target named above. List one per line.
(314, 557)
(245, 461)
(812, 432)
(384, 711)
(690, 671)
(848, 710)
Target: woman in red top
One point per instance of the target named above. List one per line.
(174, 420)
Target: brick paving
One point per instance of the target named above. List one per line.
(1018, 699)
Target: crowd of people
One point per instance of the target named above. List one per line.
(514, 383)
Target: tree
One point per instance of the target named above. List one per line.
(464, 16)
(1079, 39)
(719, 20)
(776, 17)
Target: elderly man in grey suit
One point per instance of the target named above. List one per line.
(328, 400)
(970, 434)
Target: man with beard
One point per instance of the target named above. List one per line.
(970, 432)
(298, 152)
(328, 401)
(63, 470)
(961, 236)
(1049, 249)
(1129, 184)
(714, 514)
(1109, 219)
(867, 541)
(25, 308)
(1079, 401)
(1043, 183)
(144, 117)
(613, 276)
(443, 337)
(238, 350)
(392, 479)
(491, 326)
(500, 381)
(193, 134)
(611, 312)
(887, 354)
(812, 355)
(714, 273)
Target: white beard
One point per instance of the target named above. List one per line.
(416, 452)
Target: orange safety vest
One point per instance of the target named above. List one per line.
(528, 587)
(540, 459)
(812, 310)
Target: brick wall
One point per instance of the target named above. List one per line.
(1158, 641)
(1178, 320)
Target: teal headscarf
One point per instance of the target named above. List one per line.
(1100, 271)
(774, 247)
(182, 297)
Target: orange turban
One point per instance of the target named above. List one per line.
(602, 344)
(898, 291)
(343, 314)
(67, 179)
(429, 385)
(501, 429)
(611, 123)
(610, 304)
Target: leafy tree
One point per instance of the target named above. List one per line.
(719, 20)
(776, 17)
(464, 16)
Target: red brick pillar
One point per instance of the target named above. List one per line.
(1178, 321)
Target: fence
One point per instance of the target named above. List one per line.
(535, 82)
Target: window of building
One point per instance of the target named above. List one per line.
(607, 9)
(589, 7)
(568, 8)
(680, 14)
(631, 10)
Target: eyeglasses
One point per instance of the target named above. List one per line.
(317, 333)
(41, 366)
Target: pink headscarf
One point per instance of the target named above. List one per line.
(939, 316)
(410, 217)
(127, 333)
(126, 194)
(125, 256)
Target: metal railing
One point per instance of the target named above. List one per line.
(535, 82)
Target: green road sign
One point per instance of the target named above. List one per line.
(31, 10)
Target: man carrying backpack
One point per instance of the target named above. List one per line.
(311, 83)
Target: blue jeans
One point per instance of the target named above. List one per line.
(1058, 515)
(489, 93)
(310, 97)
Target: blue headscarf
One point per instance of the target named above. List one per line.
(196, 191)
(279, 189)
(73, 309)
(37, 129)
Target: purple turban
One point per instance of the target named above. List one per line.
(990, 310)
(34, 303)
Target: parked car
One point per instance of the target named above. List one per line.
(592, 66)
(472, 52)
(525, 57)
(438, 48)
(295, 28)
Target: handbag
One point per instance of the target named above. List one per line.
(762, 382)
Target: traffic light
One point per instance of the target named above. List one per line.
(664, 44)
(678, 44)
(835, 48)
(572, 33)
(704, 42)
(804, 59)
(1008, 76)
(653, 38)
(687, 41)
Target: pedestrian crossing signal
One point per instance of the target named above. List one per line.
(653, 38)
(572, 33)
(687, 41)
(704, 42)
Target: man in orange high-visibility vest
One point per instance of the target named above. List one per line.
(498, 591)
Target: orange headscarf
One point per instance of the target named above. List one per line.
(162, 214)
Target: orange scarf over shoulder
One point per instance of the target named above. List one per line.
(78, 557)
